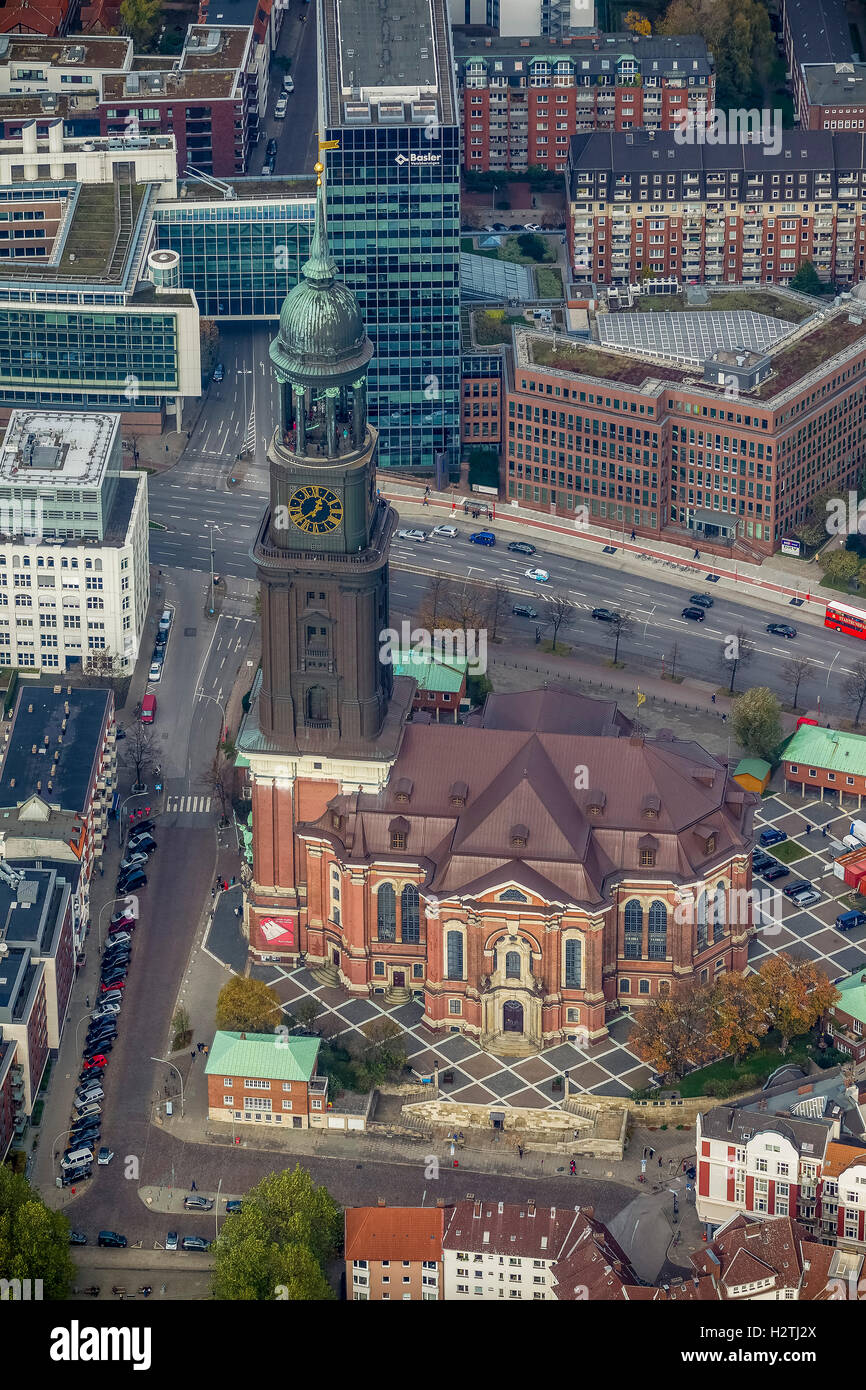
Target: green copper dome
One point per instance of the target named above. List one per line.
(321, 338)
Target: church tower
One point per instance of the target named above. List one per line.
(327, 715)
(322, 549)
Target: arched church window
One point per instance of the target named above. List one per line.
(512, 965)
(386, 913)
(317, 704)
(410, 914)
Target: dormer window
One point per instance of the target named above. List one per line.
(519, 836)
(336, 821)
(707, 836)
(650, 807)
(596, 801)
(403, 789)
(458, 794)
(398, 832)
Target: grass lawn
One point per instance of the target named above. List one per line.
(492, 328)
(853, 902)
(753, 1070)
(549, 282)
(787, 852)
(510, 250)
(763, 302)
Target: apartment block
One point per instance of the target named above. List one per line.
(660, 429)
(394, 1254)
(725, 214)
(813, 32)
(834, 96)
(520, 102)
(74, 573)
(12, 1116)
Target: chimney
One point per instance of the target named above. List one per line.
(381, 1202)
(29, 709)
(47, 740)
(530, 1210)
(66, 707)
(33, 749)
(39, 786)
(440, 1201)
(243, 1037)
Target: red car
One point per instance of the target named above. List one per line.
(119, 984)
(97, 1060)
(120, 923)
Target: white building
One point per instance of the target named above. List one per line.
(74, 576)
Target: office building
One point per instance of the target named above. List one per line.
(726, 214)
(84, 325)
(510, 17)
(239, 256)
(727, 451)
(521, 101)
(74, 575)
(387, 104)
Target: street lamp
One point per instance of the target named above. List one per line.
(61, 1135)
(213, 527)
(131, 797)
(167, 1063)
(104, 908)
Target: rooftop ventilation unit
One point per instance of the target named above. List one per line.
(357, 112)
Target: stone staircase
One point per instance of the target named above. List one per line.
(398, 994)
(508, 1045)
(327, 974)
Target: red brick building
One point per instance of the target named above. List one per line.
(255, 1078)
(522, 99)
(394, 1254)
(845, 1021)
(641, 444)
(11, 1091)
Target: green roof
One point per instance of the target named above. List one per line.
(433, 675)
(754, 767)
(828, 749)
(853, 992)
(270, 1056)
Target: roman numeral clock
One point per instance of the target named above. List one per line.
(315, 509)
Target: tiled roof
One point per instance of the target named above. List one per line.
(745, 1251)
(503, 1228)
(738, 1126)
(592, 1265)
(269, 1056)
(840, 1157)
(394, 1233)
(829, 749)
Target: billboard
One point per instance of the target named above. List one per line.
(790, 547)
(277, 933)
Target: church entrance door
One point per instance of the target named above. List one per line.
(512, 1016)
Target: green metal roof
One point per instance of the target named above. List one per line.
(271, 1056)
(828, 749)
(432, 675)
(753, 767)
(853, 992)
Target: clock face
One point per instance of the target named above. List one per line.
(315, 509)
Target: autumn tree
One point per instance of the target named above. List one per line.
(794, 671)
(278, 1246)
(637, 23)
(245, 1005)
(738, 35)
(813, 530)
(560, 614)
(498, 607)
(757, 720)
(736, 1020)
(792, 995)
(140, 19)
(670, 1032)
(737, 650)
(219, 777)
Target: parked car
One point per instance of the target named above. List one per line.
(112, 1239)
(219, 372)
(87, 1136)
(847, 921)
(96, 1075)
(77, 1238)
(155, 672)
(141, 844)
(137, 825)
(96, 1062)
(129, 882)
(280, 108)
(521, 610)
(161, 641)
(447, 533)
(271, 148)
(171, 1240)
(120, 938)
(605, 615)
(103, 1045)
(132, 861)
(86, 1095)
(695, 615)
(809, 898)
(777, 871)
(195, 1243)
(198, 1203)
(772, 836)
(702, 600)
(165, 620)
(288, 82)
(521, 547)
(115, 977)
(233, 1207)
(793, 890)
(539, 576)
(414, 534)
(116, 963)
(483, 538)
(782, 630)
(77, 1175)
(104, 1157)
(73, 1158)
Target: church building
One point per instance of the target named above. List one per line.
(524, 873)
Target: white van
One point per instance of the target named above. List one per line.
(165, 620)
(88, 1096)
(75, 1158)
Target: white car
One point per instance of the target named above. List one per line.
(531, 227)
(540, 576)
(288, 83)
(447, 532)
(416, 534)
(104, 1157)
(280, 108)
(155, 672)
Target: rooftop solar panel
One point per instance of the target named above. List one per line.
(691, 337)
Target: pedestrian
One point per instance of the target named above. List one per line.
(239, 912)
(199, 1046)
(808, 828)
(724, 719)
(644, 1151)
(193, 1187)
(660, 1161)
(650, 1153)
(520, 1151)
(192, 1055)
(632, 535)
(206, 1049)
(824, 831)
(573, 1168)
(713, 698)
(87, 1002)
(225, 885)
(233, 881)
(697, 555)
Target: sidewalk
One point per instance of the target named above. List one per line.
(776, 579)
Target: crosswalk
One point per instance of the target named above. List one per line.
(185, 805)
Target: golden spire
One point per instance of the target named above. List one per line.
(319, 171)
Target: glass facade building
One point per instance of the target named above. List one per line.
(240, 258)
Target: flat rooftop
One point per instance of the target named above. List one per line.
(210, 46)
(376, 50)
(97, 246)
(75, 51)
(22, 908)
(37, 733)
(246, 189)
(168, 85)
(48, 448)
(835, 84)
(680, 55)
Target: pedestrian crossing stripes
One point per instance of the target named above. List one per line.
(185, 804)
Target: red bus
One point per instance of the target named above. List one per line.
(844, 618)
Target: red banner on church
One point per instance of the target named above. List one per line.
(277, 933)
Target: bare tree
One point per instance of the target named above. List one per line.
(560, 614)
(737, 650)
(141, 748)
(621, 626)
(433, 602)
(465, 605)
(794, 671)
(855, 688)
(673, 658)
(102, 668)
(499, 606)
(219, 777)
